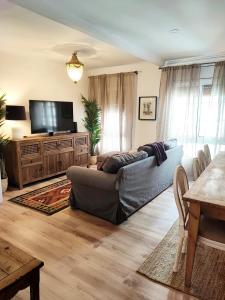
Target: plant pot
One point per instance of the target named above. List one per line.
(93, 160)
(4, 184)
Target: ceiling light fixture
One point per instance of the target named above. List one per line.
(74, 68)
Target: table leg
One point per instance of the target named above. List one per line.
(193, 224)
(34, 286)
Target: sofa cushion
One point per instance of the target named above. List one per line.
(147, 148)
(171, 143)
(103, 157)
(115, 162)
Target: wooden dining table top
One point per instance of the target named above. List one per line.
(209, 188)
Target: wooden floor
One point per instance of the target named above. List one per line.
(87, 258)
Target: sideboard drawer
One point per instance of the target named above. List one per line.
(81, 150)
(30, 161)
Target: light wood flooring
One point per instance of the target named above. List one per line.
(87, 258)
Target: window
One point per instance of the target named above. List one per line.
(193, 107)
(208, 112)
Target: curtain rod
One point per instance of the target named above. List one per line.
(202, 64)
(136, 72)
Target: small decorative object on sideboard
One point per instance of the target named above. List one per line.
(75, 129)
(93, 125)
(147, 108)
(3, 142)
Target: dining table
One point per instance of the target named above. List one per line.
(205, 196)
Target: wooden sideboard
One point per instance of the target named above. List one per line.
(35, 158)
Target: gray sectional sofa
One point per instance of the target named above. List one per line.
(115, 197)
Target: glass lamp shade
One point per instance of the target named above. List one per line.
(75, 72)
(74, 68)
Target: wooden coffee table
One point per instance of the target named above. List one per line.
(18, 270)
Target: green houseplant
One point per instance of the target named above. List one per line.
(3, 142)
(93, 125)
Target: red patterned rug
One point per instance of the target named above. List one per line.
(49, 199)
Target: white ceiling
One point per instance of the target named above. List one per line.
(142, 27)
(29, 34)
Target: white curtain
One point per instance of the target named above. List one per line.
(216, 113)
(179, 104)
(192, 108)
(116, 95)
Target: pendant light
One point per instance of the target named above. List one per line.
(74, 68)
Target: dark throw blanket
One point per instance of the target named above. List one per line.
(159, 152)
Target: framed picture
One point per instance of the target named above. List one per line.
(147, 108)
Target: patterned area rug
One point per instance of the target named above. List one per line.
(208, 277)
(49, 199)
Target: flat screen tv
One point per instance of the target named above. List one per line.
(50, 116)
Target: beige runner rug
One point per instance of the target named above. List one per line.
(208, 277)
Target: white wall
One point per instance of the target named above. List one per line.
(148, 85)
(23, 78)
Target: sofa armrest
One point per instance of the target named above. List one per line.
(90, 177)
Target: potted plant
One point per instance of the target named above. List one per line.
(3, 142)
(93, 125)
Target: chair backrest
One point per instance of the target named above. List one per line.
(196, 168)
(202, 160)
(180, 187)
(207, 154)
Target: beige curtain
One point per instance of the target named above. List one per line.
(116, 95)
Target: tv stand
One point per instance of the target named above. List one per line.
(35, 158)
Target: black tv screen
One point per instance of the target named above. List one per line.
(50, 116)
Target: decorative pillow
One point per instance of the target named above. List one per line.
(103, 157)
(147, 148)
(171, 143)
(115, 162)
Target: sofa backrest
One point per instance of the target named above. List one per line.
(146, 174)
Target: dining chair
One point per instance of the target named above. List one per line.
(202, 160)
(211, 231)
(196, 168)
(207, 153)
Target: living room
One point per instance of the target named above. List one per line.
(111, 157)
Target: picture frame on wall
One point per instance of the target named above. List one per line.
(147, 108)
